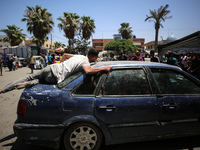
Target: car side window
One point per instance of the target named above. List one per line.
(87, 87)
(126, 82)
(173, 82)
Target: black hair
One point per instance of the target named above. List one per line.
(152, 52)
(93, 52)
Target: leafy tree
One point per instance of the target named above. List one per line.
(87, 27)
(40, 23)
(57, 44)
(14, 35)
(157, 16)
(121, 44)
(125, 30)
(70, 25)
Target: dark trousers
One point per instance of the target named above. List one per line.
(31, 67)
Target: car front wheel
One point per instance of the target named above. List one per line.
(83, 136)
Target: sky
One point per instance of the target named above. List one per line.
(108, 15)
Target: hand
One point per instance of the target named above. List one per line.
(109, 69)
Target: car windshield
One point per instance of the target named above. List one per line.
(69, 80)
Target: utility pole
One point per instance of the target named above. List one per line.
(51, 41)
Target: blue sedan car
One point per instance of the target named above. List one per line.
(137, 101)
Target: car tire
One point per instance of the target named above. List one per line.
(83, 136)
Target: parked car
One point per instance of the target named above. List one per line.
(23, 61)
(39, 63)
(137, 101)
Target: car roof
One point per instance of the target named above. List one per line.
(120, 64)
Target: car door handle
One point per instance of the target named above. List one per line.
(171, 105)
(108, 107)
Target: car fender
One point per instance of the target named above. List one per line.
(81, 118)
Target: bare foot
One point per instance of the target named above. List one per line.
(0, 91)
(23, 85)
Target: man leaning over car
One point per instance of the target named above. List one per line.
(56, 73)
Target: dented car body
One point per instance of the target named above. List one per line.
(136, 101)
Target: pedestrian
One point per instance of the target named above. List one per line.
(10, 62)
(60, 57)
(1, 64)
(122, 56)
(194, 69)
(56, 73)
(184, 60)
(32, 62)
(49, 59)
(112, 57)
(53, 56)
(153, 57)
(15, 60)
(5, 60)
(42, 60)
(137, 56)
(46, 59)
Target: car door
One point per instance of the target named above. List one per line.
(179, 97)
(126, 104)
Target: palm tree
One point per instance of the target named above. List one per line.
(57, 44)
(157, 17)
(14, 35)
(39, 22)
(70, 25)
(125, 30)
(87, 27)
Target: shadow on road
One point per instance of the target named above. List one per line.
(188, 143)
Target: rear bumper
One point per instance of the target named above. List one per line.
(39, 134)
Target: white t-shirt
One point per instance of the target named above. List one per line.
(184, 61)
(69, 66)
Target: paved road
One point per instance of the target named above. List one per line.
(8, 108)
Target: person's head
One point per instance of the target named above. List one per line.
(137, 53)
(111, 54)
(93, 55)
(121, 52)
(152, 53)
(31, 54)
(14, 54)
(183, 53)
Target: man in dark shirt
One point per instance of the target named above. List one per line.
(153, 57)
(122, 56)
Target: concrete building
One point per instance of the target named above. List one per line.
(99, 44)
(47, 44)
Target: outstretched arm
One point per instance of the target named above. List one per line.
(66, 56)
(88, 70)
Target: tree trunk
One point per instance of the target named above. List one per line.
(156, 40)
(38, 50)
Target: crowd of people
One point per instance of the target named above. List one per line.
(136, 57)
(10, 61)
(188, 62)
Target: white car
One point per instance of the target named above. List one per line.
(39, 63)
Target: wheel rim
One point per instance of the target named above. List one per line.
(83, 138)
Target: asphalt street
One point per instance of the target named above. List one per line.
(8, 108)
